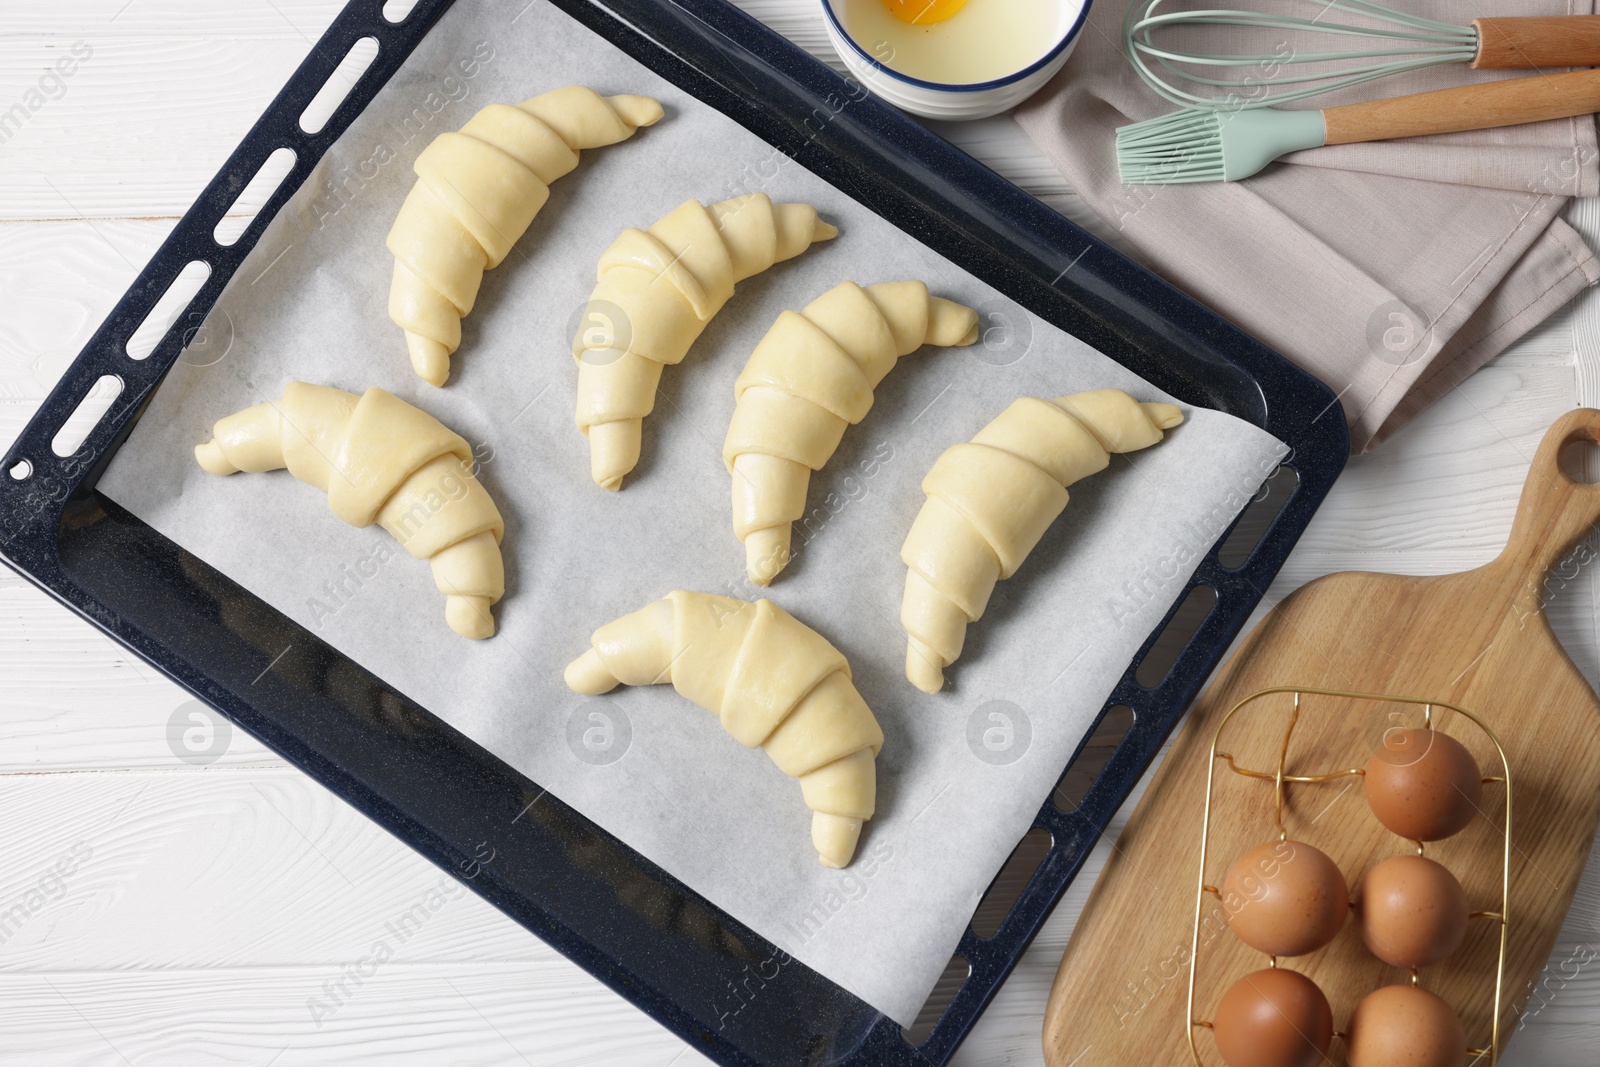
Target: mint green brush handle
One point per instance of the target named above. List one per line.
(1208, 146)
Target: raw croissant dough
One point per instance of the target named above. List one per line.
(810, 377)
(772, 680)
(477, 190)
(989, 502)
(380, 460)
(657, 291)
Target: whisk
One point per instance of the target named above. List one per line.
(1409, 42)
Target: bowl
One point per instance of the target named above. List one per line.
(953, 100)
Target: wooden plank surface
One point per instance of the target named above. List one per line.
(220, 899)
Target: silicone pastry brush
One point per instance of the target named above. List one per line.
(1377, 42)
(1215, 146)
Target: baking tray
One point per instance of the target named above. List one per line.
(654, 941)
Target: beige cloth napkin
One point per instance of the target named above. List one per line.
(1391, 271)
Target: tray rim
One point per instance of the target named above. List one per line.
(37, 514)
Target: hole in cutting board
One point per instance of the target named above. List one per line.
(1175, 635)
(1097, 751)
(1257, 518)
(944, 991)
(75, 429)
(1010, 882)
(257, 191)
(168, 308)
(1580, 461)
(20, 470)
(396, 11)
(338, 86)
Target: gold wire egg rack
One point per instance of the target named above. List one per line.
(1281, 780)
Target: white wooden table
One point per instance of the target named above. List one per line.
(209, 910)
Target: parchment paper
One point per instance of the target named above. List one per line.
(961, 774)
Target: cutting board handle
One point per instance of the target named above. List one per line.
(1555, 511)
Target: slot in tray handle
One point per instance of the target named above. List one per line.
(46, 478)
(1555, 511)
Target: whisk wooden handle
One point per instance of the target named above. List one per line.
(1468, 107)
(1536, 42)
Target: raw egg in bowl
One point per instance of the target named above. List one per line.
(954, 59)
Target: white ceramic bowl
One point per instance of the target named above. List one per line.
(937, 100)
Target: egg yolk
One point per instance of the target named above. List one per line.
(923, 12)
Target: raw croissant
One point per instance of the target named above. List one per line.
(772, 680)
(380, 460)
(810, 377)
(477, 191)
(989, 502)
(657, 291)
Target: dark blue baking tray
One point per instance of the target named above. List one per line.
(724, 990)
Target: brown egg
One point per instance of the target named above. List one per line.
(1400, 1024)
(1412, 912)
(1285, 898)
(1422, 784)
(1273, 1018)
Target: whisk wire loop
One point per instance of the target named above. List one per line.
(1422, 43)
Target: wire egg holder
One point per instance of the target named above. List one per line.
(1280, 780)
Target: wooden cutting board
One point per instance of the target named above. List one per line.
(1478, 640)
